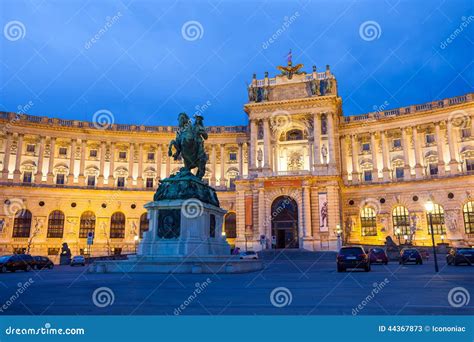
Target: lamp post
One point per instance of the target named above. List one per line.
(338, 232)
(136, 242)
(429, 206)
(398, 232)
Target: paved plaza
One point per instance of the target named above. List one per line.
(293, 282)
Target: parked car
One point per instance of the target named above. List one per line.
(16, 262)
(42, 262)
(352, 257)
(248, 255)
(378, 255)
(457, 256)
(78, 260)
(410, 255)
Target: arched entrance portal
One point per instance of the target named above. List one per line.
(285, 222)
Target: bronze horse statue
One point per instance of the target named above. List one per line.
(189, 144)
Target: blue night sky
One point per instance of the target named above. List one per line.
(144, 71)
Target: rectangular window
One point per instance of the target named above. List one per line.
(469, 164)
(121, 182)
(149, 183)
(63, 151)
(466, 133)
(232, 156)
(430, 139)
(93, 153)
(433, 169)
(367, 175)
(60, 179)
(27, 175)
(90, 180)
(30, 148)
(53, 251)
(122, 155)
(399, 172)
(366, 147)
(397, 143)
(151, 156)
(116, 251)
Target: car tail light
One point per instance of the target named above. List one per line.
(363, 256)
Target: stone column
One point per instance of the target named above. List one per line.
(140, 167)
(317, 140)
(355, 159)
(262, 223)
(52, 151)
(385, 157)
(418, 165)
(331, 136)
(266, 144)
(240, 160)
(100, 179)
(406, 156)
(310, 155)
(373, 147)
(213, 163)
(19, 152)
(307, 231)
(440, 147)
(253, 144)
(131, 162)
(453, 163)
(6, 156)
(159, 157)
(222, 181)
(111, 179)
(39, 171)
(72, 162)
(82, 165)
(344, 154)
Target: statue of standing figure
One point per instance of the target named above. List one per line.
(324, 153)
(314, 86)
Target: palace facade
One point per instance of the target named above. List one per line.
(300, 175)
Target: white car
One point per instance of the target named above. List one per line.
(248, 255)
(78, 260)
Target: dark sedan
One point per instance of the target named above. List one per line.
(458, 256)
(410, 255)
(16, 262)
(378, 255)
(352, 257)
(43, 262)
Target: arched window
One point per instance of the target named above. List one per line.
(468, 214)
(294, 134)
(87, 224)
(368, 221)
(401, 220)
(144, 224)
(230, 226)
(56, 224)
(117, 226)
(437, 218)
(22, 224)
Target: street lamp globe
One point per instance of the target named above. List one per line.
(397, 231)
(429, 206)
(135, 238)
